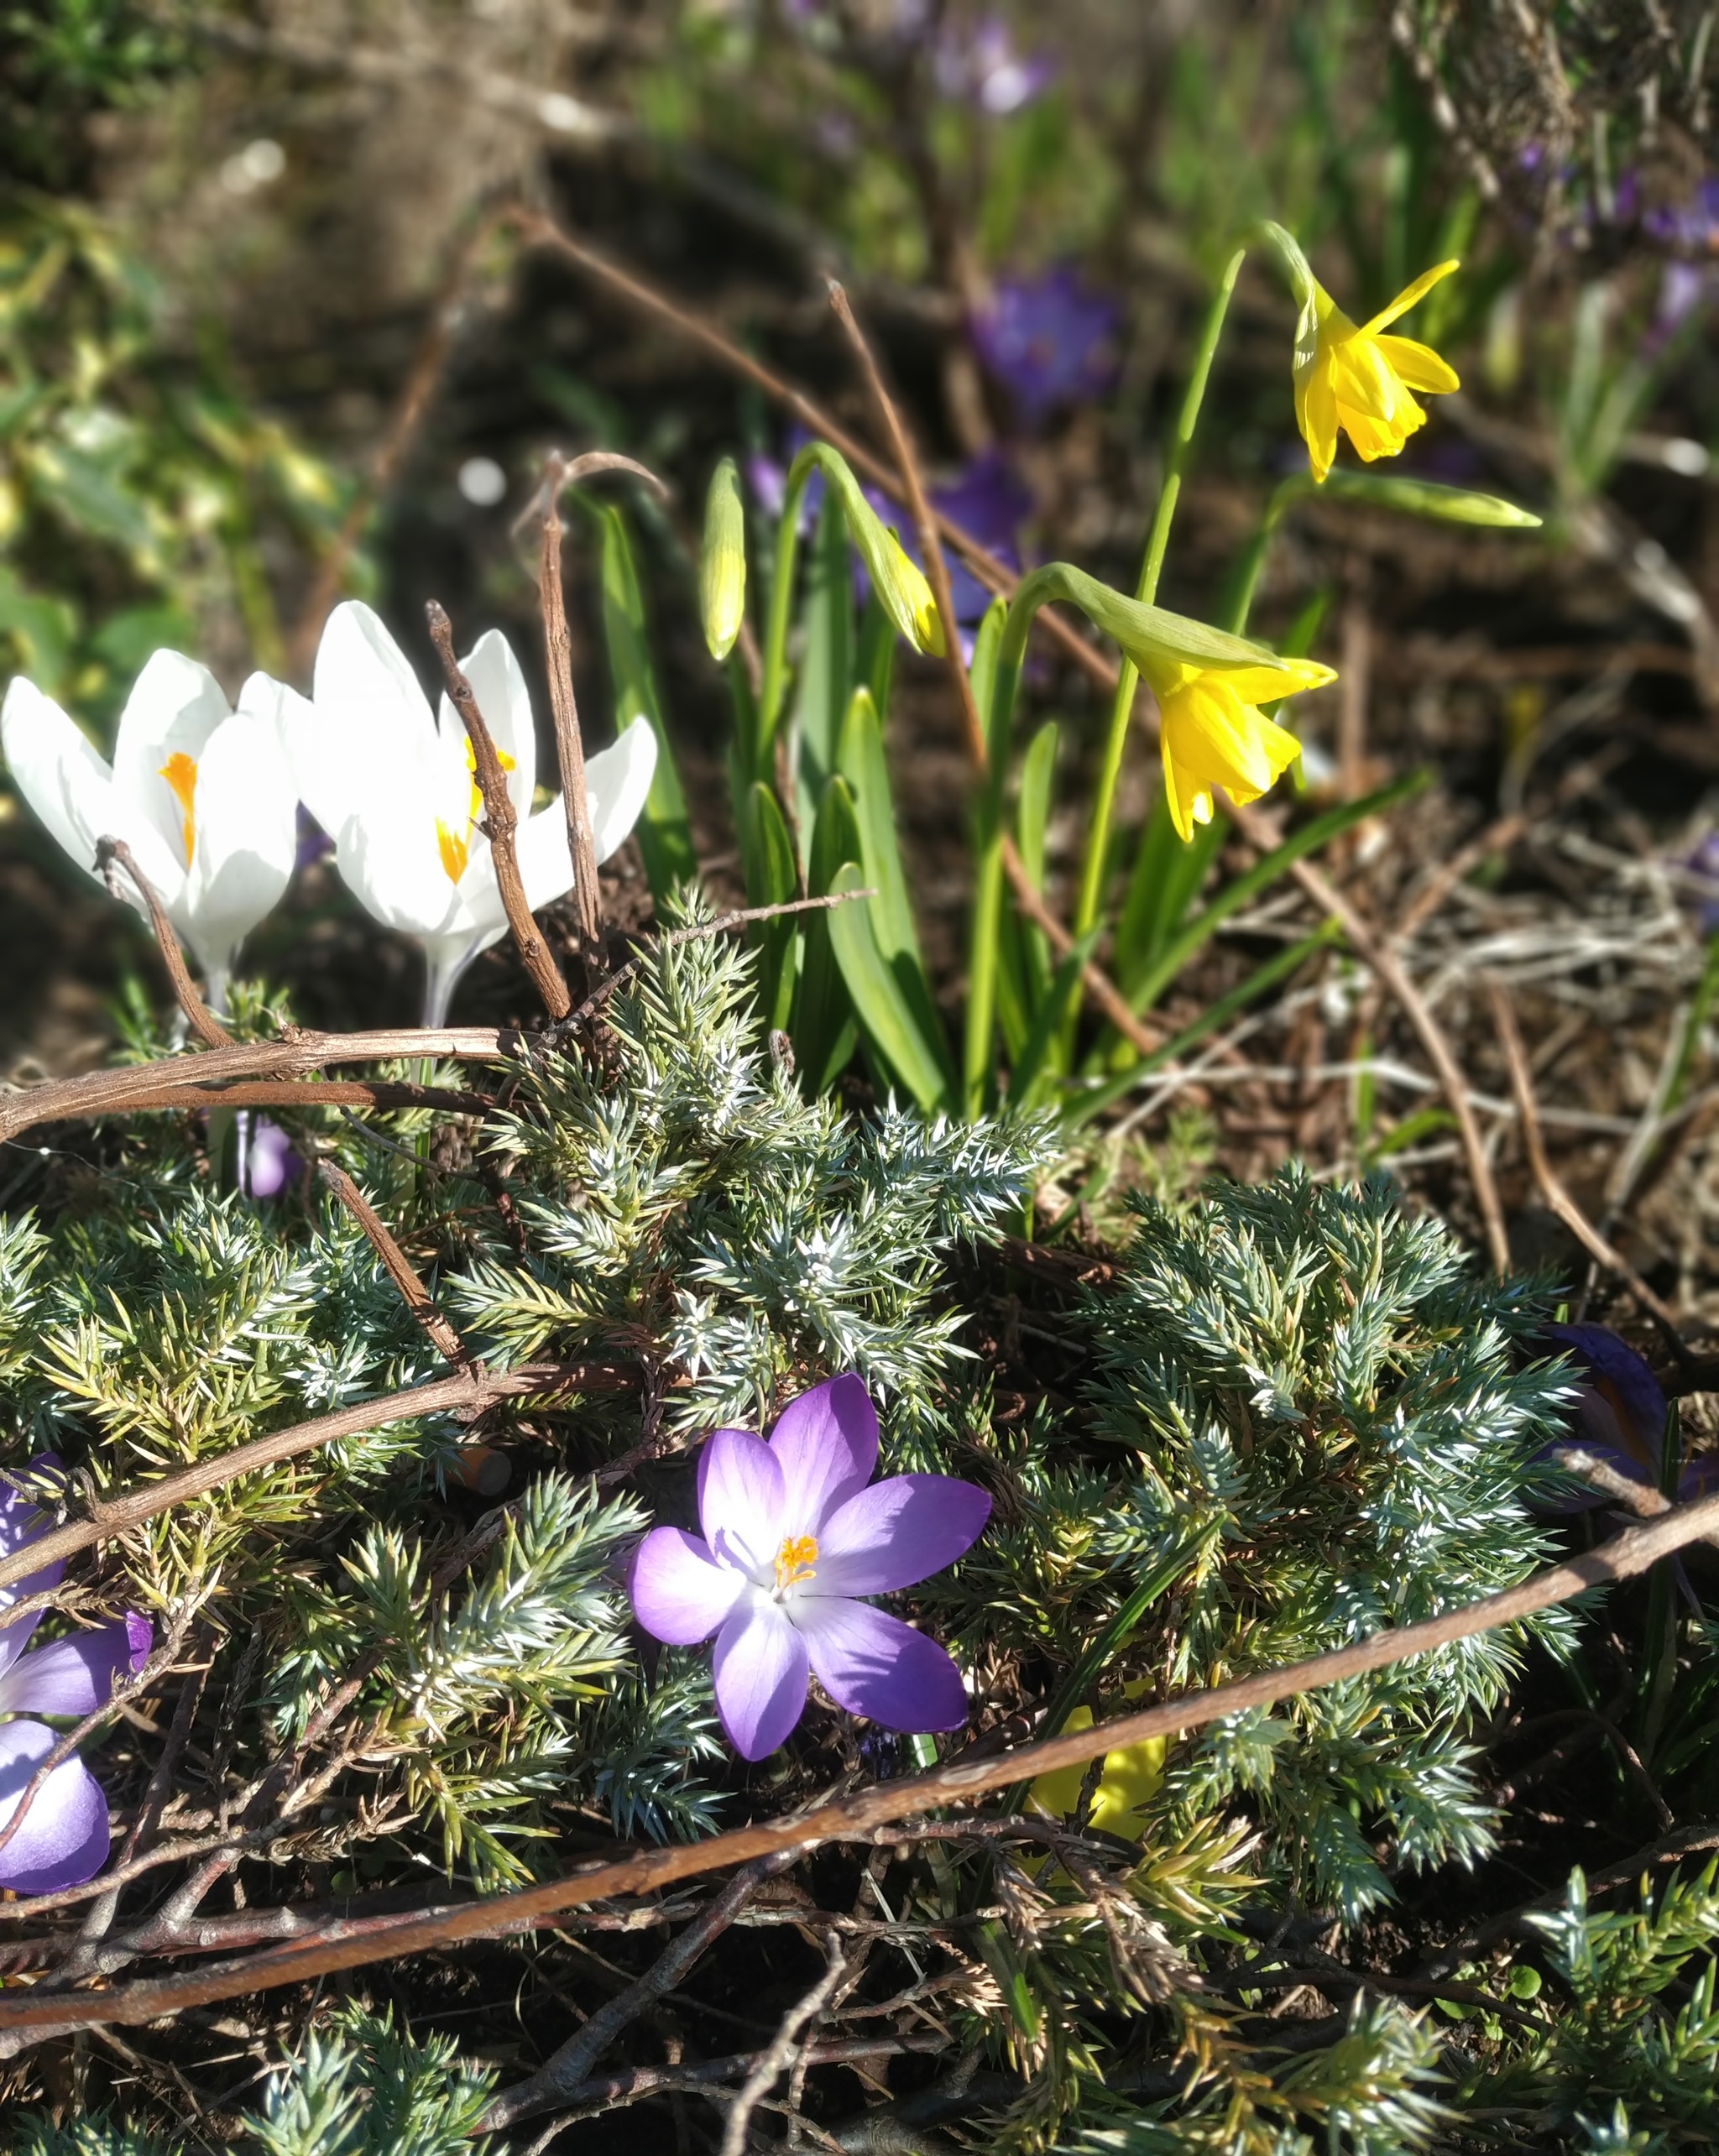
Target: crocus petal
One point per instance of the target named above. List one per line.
(1410, 295)
(741, 1501)
(57, 772)
(617, 785)
(897, 1533)
(826, 1445)
(873, 1665)
(63, 1838)
(760, 1670)
(1623, 1406)
(175, 706)
(545, 858)
(680, 1594)
(75, 1676)
(392, 861)
(1418, 365)
(20, 1523)
(505, 702)
(246, 824)
(367, 729)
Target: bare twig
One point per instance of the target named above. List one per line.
(163, 1083)
(500, 822)
(558, 2079)
(858, 1817)
(558, 656)
(202, 1019)
(1557, 1198)
(613, 2090)
(463, 1393)
(780, 2051)
(399, 1267)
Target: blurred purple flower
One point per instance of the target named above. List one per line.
(1620, 1413)
(314, 843)
(981, 66)
(1049, 340)
(1701, 895)
(792, 1537)
(268, 1159)
(62, 1840)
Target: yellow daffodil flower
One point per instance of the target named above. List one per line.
(1214, 733)
(1130, 1777)
(1355, 379)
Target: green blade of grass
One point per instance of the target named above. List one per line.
(767, 854)
(886, 1019)
(823, 1030)
(665, 835)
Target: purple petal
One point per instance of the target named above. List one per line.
(898, 1532)
(826, 1442)
(873, 1665)
(75, 1675)
(63, 1839)
(740, 1500)
(1622, 1405)
(760, 1672)
(21, 1522)
(680, 1594)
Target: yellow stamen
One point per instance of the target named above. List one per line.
(794, 1560)
(180, 773)
(506, 763)
(454, 851)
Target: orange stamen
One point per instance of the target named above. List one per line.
(454, 851)
(795, 1561)
(180, 773)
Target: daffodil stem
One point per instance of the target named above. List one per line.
(1245, 578)
(1092, 878)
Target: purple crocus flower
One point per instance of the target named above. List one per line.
(1620, 1413)
(268, 1159)
(63, 1838)
(1049, 340)
(981, 66)
(792, 1537)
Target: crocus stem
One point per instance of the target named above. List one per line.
(1092, 878)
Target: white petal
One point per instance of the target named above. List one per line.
(246, 829)
(369, 729)
(616, 784)
(57, 772)
(393, 862)
(505, 702)
(71, 788)
(545, 862)
(175, 706)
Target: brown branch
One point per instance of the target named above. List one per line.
(557, 2080)
(161, 1083)
(768, 2067)
(637, 2083)
(1557, 1198)
(500, 822)
(400, 1268)
(202, 1021)
(466, 1392)
(558, 658)
(858, 1816)
(310, 1092)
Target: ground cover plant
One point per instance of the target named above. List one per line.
(855, 1286)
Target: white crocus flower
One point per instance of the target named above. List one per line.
(392, 783)
(202, 794)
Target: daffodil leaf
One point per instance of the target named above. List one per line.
(891, 1029)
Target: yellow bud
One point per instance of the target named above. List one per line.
(722, 564)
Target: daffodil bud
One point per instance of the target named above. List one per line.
(722, 566)
(1426, 497)
(897, 579)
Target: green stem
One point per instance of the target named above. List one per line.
(1248, 570)
(985, 942)
(1158, 540)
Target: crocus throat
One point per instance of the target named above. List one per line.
(455, 853)
(180, 773)
(796, 1562)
